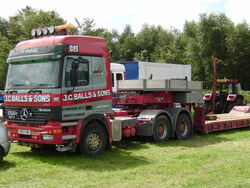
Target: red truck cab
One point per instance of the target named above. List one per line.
(56, 87)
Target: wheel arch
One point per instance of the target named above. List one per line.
(102, 120)
(151, 116)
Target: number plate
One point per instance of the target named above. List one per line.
(26, 132)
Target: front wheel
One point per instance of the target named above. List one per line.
(93, 140)
(162, 129)
(183, 127)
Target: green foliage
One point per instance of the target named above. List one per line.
(5, 47)
(208, 39)
(3, 27)
(28, 18)
(214, 35)
(246, 95)
(18, 28)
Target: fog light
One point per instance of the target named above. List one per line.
(57, 131)
(47, 137)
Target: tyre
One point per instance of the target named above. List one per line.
(93, 140)
(1, 154)
(183, 127)
(162, 129)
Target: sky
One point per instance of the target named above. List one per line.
(115, 14)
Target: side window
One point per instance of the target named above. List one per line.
(113, 83)
(82, 73)
(98, 72)
(119, 76)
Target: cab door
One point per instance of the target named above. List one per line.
(77, 97)
(102, 103)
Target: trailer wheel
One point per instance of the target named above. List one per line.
(162, 129)
(93, 140)
(183, 127)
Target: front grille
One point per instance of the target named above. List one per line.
(35, 114)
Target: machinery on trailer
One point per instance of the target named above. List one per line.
(226, 95)
(59, 93)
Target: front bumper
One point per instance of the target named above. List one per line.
(27, 133)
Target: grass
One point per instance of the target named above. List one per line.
(214, 160)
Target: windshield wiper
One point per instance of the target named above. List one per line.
(38, 86)
(13, 86)
(18, 85)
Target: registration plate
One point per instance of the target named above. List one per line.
(26, 132)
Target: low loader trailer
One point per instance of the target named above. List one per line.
(59, 94)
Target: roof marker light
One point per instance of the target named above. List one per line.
(59, 30)
(51, 29)
(63, 27)
(33, 32)
(39, 32)
(45, 30)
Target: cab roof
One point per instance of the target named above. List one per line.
(87, 44)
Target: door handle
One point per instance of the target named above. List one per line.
(88, 107)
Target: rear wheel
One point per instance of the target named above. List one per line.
(93, 140)
(162, 129)
(183, 127)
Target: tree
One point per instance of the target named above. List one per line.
(88, 27)
(28, 18)
(18, 28)
(241, 54)
(146, 40)
(208, 39)
(4, 50)
(3, 27)
(127, 44)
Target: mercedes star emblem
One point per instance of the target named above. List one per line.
(24, 114)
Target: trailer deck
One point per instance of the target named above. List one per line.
(239, 117)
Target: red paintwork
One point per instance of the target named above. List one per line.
(54, 100)
(36, 132)
(207, 97)
(110, 127)
(231, 97)
(240, 110)
(87, 46)
(214, 87)
(126, 132)
(129, 131)
(156, 97)
(133, 131)
(202, 126)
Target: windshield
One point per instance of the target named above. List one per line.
(29, 74)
